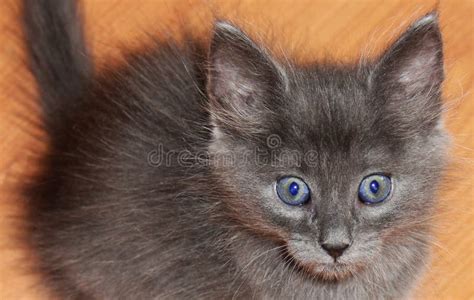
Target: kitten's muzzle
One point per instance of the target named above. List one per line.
(335, 238)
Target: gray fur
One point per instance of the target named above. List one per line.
(111, 221)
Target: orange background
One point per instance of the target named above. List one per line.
(307, 29)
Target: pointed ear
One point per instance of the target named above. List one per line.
(407, 79)
(242, 80)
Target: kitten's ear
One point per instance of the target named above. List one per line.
(241, 81)
(408, 77)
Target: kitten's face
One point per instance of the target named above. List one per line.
(331, 127)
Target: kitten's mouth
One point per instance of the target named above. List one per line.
(331, 272)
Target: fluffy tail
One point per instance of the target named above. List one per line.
(57, 56)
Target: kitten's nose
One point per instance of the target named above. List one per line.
(335, 249)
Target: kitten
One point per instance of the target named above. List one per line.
(221, 172)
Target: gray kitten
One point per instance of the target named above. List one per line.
(218, 172)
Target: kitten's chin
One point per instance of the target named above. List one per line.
(329, 272)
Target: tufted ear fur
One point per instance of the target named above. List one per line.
(243, 81)
(407, 79)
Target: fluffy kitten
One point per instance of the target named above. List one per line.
(164, 176)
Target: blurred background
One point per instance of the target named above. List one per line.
(305, 29)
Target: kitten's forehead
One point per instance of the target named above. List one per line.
(330, 107)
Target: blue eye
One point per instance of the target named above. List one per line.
(375, 188)
(292, 191)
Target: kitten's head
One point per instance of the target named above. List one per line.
(335, 163)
